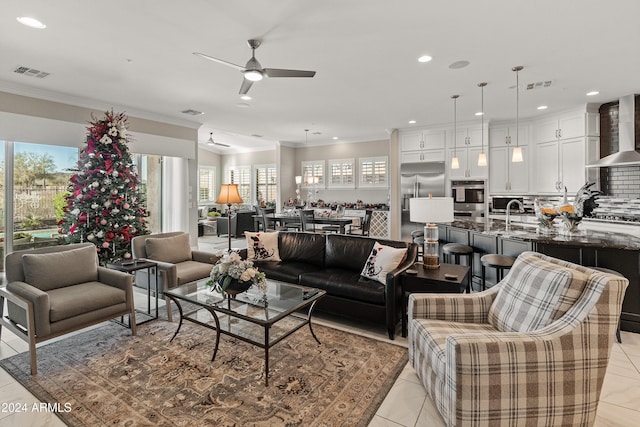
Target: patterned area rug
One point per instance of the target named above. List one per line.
(111, 378)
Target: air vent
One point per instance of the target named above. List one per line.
(316, 133)
(192, 112)
(538, 85)
(255, 135)
(31, 72)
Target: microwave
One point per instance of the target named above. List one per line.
(499, 204)
(468, 196)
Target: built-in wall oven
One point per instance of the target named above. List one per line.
(468, 197)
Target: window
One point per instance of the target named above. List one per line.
(206, 184)
(313, 171)
(241, 175)
(266, 179)
(374, 172)
(341, 174)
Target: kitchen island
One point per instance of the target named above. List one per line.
(612, 250)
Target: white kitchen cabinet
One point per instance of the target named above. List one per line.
(501, 136)
(468, 160)
(572, 161)
(422, 156)
(506, 177)
(560, 145)
(466, 137)
(422, 146)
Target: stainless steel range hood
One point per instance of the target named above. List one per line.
(627, 156)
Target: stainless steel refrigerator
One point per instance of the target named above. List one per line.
(418, 180)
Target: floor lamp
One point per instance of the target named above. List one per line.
(430, 210)
(229, 195)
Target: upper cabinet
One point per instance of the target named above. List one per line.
(467, 145)
(506, 177)
(561, 150)
(422, 146)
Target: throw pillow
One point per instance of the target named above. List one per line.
(535, 293)
(173, 249)
(382, 260)
(59, 269)
(262, 246)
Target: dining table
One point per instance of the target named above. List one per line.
(283, 219)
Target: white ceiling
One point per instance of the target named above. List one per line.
(137, 55)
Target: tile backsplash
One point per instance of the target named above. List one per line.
(623, 182)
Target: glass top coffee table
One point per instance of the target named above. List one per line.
(249, 316)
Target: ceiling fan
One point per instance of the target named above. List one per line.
(253, 70)
(211, 142)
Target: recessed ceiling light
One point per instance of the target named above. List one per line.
(246, 97)
(31, 22)
(458, 64)
(592, 93)
(425, 58)
(542, 107)
(412, 122)
(334, 138)
(479, 113)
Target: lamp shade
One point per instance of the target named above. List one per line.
(431, 209)
(298, 179)
(229, 194)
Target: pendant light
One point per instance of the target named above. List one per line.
(455, 164)
(517, 150)
(482, 157)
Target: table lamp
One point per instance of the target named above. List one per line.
(430, 210)
(229, 195)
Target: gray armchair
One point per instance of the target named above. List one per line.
(177, 263)
(55, 290)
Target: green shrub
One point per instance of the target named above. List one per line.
(59, 202)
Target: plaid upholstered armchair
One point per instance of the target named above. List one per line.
(532, 350)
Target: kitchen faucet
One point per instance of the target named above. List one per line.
(509, 210)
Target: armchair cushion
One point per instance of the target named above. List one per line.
(536, 293)
(172, 249)
(74, 300)
(59, 269)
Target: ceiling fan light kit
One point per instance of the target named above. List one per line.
(253, 71)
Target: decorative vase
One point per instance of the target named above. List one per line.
(235, 287)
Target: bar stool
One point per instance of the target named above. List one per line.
(418, 238)
(459, 250)
(499, 262)
(606, 270)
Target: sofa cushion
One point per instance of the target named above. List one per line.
(262, 246)
(190, 271)
(74, 300)
(382, 260)
(347, 252)
(59, 269)
(346, 284)
(535, 293)
(289, 271)
(173, 249)
(302, 247)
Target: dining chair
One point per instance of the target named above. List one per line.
(306, 218)
(363, 228)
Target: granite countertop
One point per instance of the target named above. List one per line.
(599, 239)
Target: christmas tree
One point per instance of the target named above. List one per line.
(104, 205)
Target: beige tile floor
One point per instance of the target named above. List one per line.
(406, 404)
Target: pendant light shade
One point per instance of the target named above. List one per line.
(517, 150)
(482, 157)
(455, 164)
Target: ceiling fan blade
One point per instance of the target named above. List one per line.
(276, 72)
(220, 61)
(221, 144)
(246, 85)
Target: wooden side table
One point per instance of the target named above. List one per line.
(432, 281)
(131, 266)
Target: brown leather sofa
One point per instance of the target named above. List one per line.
(55, 290)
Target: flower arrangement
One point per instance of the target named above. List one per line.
(231, 268)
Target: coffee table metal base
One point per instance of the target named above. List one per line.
(266, 345)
